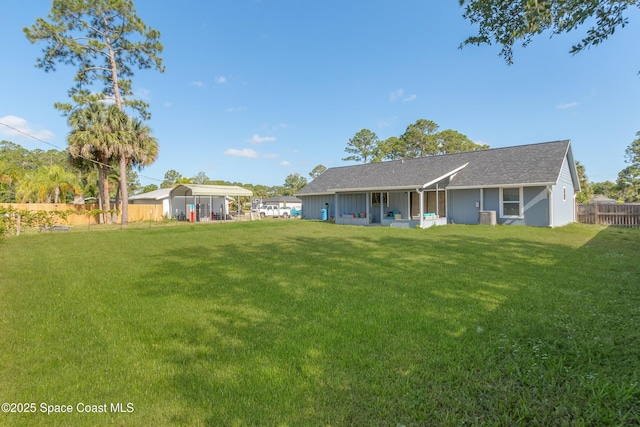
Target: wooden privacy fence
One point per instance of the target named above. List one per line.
(620, 214)
(81, 216)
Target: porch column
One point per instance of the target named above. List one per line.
(409, 205)
(381, 207)
(367, 197)
(421, 207)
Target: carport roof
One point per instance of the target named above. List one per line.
(209, 190)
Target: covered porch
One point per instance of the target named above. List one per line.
(401, 209)
(421, 206)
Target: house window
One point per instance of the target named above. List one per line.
(511, 205)
(375, 199)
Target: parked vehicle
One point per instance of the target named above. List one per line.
(274, 211)
(296, 213)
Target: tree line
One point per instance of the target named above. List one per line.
(56, 176)
(422, 138)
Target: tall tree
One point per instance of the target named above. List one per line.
(509, 22)
(292, 183)
(629, 177)
(362, 147)
(420, 139)
(451, 142)
(105, 40)
(135, 146)
(317, 171)
(584, 196)
(171, 177)
(96, 130)
(200, 178)
(394, 148)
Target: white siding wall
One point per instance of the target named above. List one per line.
(563, 202)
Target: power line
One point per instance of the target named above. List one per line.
(62, 149)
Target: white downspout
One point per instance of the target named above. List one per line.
(550, 191)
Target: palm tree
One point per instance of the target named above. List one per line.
(46, 184)
(136, 147)
(96, 131)
(9, 176)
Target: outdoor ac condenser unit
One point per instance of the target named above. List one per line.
(487, 218)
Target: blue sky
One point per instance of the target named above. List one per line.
(255, 90)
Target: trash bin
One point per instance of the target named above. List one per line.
(323, 214)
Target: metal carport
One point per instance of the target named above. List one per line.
(198, 195)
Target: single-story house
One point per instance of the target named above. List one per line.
(193, 202)
(531, 184)
(283, 201)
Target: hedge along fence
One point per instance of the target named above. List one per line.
(70, 214)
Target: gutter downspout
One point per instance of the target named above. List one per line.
(550, 192)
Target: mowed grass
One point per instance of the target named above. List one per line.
(299, 323)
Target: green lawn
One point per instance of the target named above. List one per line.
(299, 323)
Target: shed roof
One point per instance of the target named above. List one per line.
(533, 164)
(161, 193)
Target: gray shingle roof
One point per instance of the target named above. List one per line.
(519, 165)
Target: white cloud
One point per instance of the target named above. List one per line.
(271, 156)
(257, 139)
(245, 152)
(19, 127)
(285, 163)
(235, 109)
(197, 84)
(568, 105)
(399, 95)
(396, 95)
(221, 80)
